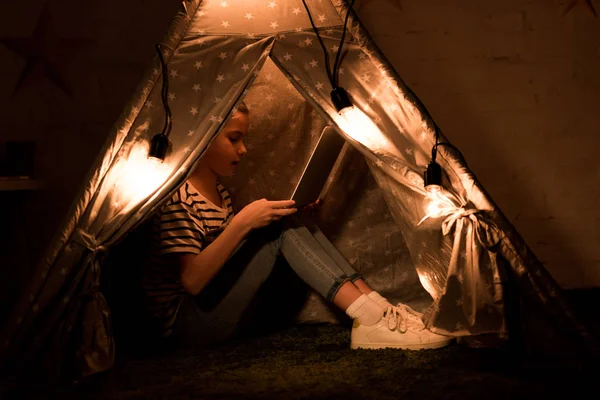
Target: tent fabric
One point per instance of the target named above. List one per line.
(219, 52)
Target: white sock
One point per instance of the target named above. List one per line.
(380, 300)
(365, 310)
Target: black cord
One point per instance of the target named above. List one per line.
(336, 64)
(327, 66)
(165, 91)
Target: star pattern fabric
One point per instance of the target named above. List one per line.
(221, 51)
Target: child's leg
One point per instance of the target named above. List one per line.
(214, 314)
(320, 271)
(355, 277)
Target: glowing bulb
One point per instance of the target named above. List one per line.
(438, 204)
(139, 176)
(361, 128)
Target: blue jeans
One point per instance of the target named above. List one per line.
(215, 313)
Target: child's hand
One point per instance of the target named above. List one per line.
(262, 212)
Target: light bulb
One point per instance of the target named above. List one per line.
(438, 204)
(358, 125)
(139, 176)
(361, 128)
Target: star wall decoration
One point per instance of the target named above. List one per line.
(587, 3)
(44, 52)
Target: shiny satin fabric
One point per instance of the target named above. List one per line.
(375, 209)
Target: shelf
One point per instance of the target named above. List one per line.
(9, 183)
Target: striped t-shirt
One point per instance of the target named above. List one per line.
(187, 223)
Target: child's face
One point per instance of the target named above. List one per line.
(227, 149)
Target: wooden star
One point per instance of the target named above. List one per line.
(588, 4)
(43, 52)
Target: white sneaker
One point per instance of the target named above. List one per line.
(401, 327)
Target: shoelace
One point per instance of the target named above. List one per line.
(402, 317)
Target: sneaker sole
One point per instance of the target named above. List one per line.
(420, 346)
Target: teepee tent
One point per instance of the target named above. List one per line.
(268, 54)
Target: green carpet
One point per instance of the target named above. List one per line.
(315, 362)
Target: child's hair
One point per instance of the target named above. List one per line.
(243, 108)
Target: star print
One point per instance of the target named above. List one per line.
(269, 97)
(193, 110)
(296, 11)
(287, 57)
(322, 18)
(149, 104)
(408, 150)
(190, 133)
(196, 87)
(366, 77)
(272, 4)
(319, 86)
(220, 78)
(225, 24)
(314, 63)
(290, 106)
(173, 73)
(249, 16)
(223, 55)
(43, 51)
(335, 48)
(198, 64)
(245, 67)
(217, 100)
(298, 29)
(172, 96)
(213, 118)
(224, 4)
(341, 71)
(308, 41)
(274, 25)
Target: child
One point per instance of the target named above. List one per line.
(207, 263)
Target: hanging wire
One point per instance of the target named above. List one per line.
(325, 53)
(336, 64)
(332, 74)
(164, 94)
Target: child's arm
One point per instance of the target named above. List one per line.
(196, 270)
